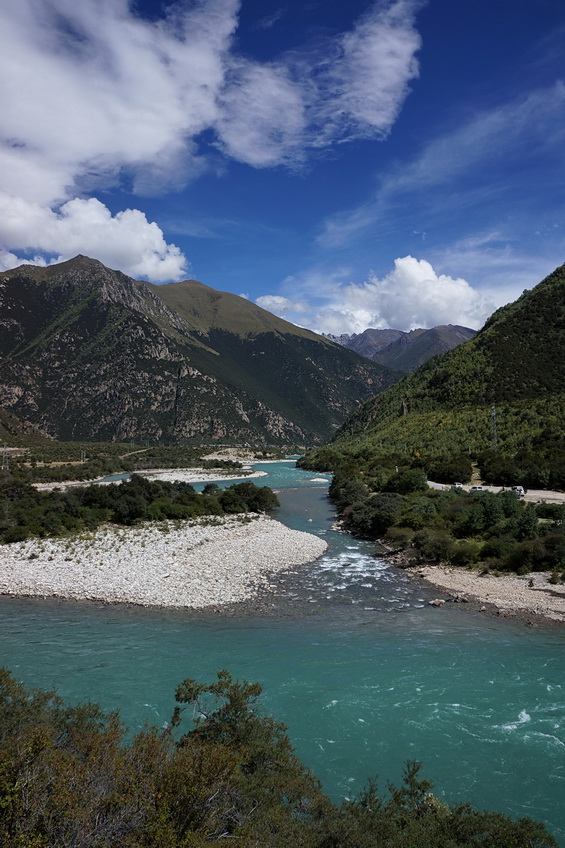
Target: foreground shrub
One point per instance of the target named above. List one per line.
(69, 779)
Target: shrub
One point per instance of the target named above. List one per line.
(464, 553)
(400, 537)
(69, 777)
(434, 545)
(412, 480)
(15, 534)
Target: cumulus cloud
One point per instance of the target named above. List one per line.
(95, 95)
(90, 88)
(93, 92)
(92, 95)
(127, 240)
(412, 295)
(283, 306)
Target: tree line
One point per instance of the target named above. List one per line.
(27, 512)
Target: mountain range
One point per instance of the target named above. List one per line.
(87, 353)
(404, 351)
(504, 389)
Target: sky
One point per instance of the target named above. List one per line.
(345, 165)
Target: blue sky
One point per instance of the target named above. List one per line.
(345, 165)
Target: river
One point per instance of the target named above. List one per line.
(352, 658)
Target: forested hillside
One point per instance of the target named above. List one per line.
(498, 398)
(492, 409)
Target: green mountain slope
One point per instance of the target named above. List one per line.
(516, 363)
(87, 353)
(205, 309)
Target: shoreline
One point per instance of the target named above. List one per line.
(508, 595)
(196, 474)
(204, 563)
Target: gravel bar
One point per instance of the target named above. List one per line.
(191, 564)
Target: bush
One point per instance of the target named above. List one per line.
(434, 545)
(400, 537)
(386, 508)
(457, 470)
(70, 777)
(15, 534)
(346, 491)
(413, 480)
(464, 553)
(528, 555)
(27, 512)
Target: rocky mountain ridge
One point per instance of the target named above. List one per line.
(404, 351)
(88, 353)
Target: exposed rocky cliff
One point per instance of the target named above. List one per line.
(88, 353)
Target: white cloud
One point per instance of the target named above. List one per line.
(9, 260)
(375, 63)
(127, 241)
(262, 118)
(92, 89)
(282, 306)
(411, 295)
(504, 268)
(93, 95)
(350, 86)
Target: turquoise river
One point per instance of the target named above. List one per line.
(352, 658)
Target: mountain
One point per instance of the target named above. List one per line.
(14, 431)
(88, 353)
(503, 389)
(413, 349)
(404, 351)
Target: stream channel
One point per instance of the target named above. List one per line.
(365, 673)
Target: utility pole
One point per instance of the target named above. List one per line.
(5, 458)
(493, 428)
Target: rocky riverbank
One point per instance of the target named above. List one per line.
(196, 564)
(527, 596)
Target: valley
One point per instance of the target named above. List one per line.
(433, 646)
